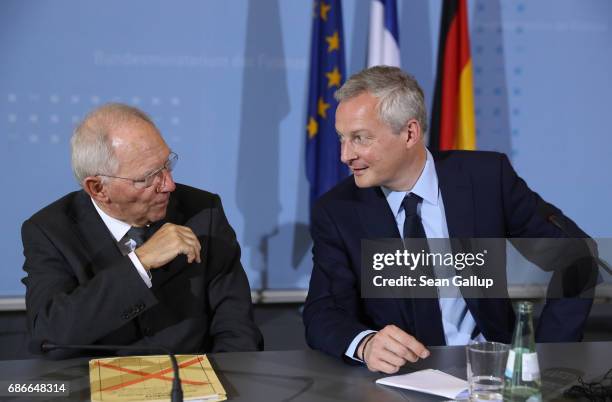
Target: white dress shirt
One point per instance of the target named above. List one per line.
(118, 229)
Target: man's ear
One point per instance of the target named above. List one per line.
(95, 187)
(412, 132)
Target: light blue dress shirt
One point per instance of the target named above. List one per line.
(457, 320)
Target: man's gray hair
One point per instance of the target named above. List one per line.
(92, 149)
(400, 98)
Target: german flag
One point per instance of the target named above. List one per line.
(452, 118)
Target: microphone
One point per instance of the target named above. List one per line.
(560, 224)
(41, 347)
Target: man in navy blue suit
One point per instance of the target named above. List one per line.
(398, 186)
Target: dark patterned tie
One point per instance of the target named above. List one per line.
(135, 235)
(427, 314)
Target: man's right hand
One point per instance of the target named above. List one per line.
(166, 244)
(389, 349)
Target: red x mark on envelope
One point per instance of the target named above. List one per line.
(148, 376)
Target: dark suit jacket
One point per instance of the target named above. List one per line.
(81, 290)
(483, 197)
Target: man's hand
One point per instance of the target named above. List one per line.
(167, 243)
(389, 349)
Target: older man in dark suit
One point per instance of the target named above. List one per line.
(135, 258)
(401, 189)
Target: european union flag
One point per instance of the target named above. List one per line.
(327, 73)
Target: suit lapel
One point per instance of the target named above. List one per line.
(99, 246)
(457, 194)
(163, 274)
(173, 213)
(98, 243)
(375, 214)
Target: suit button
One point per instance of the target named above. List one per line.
(125, 316)
(147, 331)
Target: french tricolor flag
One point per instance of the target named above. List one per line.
(383, 44)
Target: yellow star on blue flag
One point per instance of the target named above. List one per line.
(327, 73)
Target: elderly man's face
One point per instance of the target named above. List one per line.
(140, 150)
(375, 155)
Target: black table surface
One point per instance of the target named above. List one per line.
(306, 375)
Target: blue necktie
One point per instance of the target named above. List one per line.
(426, 311)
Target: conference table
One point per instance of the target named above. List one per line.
(307, 375)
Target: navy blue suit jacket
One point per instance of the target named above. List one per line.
(483, 197)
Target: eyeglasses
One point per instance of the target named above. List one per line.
(150, 178)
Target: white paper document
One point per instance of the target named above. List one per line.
(430, 381)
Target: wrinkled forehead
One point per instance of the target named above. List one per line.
(137, 142)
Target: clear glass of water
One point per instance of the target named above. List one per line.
(486, 362)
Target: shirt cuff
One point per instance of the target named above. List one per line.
(144, 274)
(350, 351)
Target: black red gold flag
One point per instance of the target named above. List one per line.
(452, 117)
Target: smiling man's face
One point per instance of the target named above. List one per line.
(375, 154)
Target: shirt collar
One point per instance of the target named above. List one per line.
(117, 228)
(425, 187)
